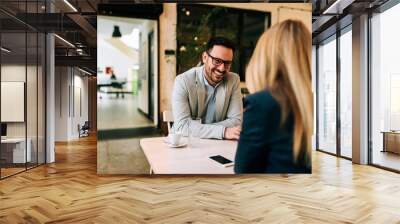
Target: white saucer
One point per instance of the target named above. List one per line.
(182, 144)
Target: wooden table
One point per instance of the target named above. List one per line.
(193, 159)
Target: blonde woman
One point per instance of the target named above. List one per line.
(278, 118)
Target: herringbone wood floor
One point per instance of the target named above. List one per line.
(69, 191)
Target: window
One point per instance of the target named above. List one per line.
(385, 89)
(198, 23)
(346, 93)
(327, 96)
(22, 74)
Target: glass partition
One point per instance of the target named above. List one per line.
(22, 87)
(13, 114)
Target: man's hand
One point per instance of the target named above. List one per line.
(232, 133)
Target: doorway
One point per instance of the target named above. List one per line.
(127, 93)
(151, 75)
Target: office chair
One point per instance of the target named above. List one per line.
(84, 130)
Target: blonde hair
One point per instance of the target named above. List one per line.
(281, 63)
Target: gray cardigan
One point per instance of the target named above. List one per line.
(188, 102)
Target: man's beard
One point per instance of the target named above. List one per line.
(218, 75)
(212, 75)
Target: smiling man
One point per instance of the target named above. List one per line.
(211, 93)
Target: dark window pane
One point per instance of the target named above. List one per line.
(198, 23)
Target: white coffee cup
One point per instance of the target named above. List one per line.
(174, 138)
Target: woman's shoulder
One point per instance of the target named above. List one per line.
(262, 100)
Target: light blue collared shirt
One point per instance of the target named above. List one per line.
(210, 116)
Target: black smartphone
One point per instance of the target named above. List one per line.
(222, 160)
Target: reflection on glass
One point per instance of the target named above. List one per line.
(13, 87)
(41, 98)
(31, 101)
(346, 94)
(327, 97)
(385, 89)
(22, 89)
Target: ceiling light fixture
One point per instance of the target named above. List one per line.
(86, 72)
(65, 41)
(5, 50)
(182, 48)
(331, 7)
(70, 5)
(337, 7)
(116, 32)
(79, 51)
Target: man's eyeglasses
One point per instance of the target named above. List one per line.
(218, 61)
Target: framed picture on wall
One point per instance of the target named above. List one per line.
(12, 101)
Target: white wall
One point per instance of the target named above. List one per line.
(79, 117)
(67, 114)
(109, 56)
(61, 103)
(113, 52)
(15, 72)
(33, 126)
(143, 93)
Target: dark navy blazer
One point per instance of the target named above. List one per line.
(265, 146)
